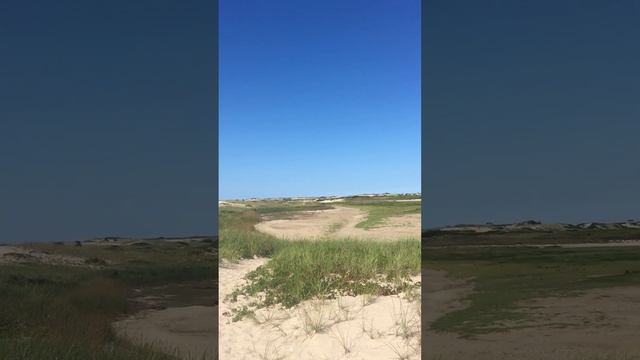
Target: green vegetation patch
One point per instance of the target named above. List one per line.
(285, 209)
(239, 244)
(55, 312)
(302, 270)
(66, 312)
(502, 278)
(47, 349)
(310, 269)
(378, 211)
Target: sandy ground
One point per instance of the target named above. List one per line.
(340, 222)
(359, 327)
(16, 254)
(231, 204)
(331, 201)
(189, 332)
(601, 322)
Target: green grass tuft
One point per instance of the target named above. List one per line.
(308, 269)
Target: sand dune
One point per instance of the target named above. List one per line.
(360, 327)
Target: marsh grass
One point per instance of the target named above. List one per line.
(62, 315)
(46, 349)
(65, 312)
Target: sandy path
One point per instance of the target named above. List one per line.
(189, 332)
(598, 323)
(353, 327)
(340, 222)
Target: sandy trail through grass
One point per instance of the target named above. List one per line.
(340, 222)
(349, 327)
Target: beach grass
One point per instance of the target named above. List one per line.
(305, 270)
(379, 211)
(56, 311)
(321, 268)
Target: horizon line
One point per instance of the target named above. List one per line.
(325, 195)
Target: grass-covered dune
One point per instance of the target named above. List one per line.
(302, 270)
(57, 311)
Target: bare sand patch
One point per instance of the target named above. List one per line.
(340, 222)
(600, 322)
(189, 332)
(331, 201)
(349, 327)
(232, 204)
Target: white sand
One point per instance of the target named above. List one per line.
(340, 222)
(360, 327)
(189, 332)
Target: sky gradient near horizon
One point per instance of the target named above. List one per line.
(319, 98)
(107, 119)
(531, 112)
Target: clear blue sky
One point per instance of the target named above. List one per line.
(531, 111)
(107, 119)
(319, 97)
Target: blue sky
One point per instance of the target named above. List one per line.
(107, 124)
(531, 111)
(319, 98)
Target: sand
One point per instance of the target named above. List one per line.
(340, 222)
(331, 201)
(358, 327)
(189, 332)
(600, 322)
